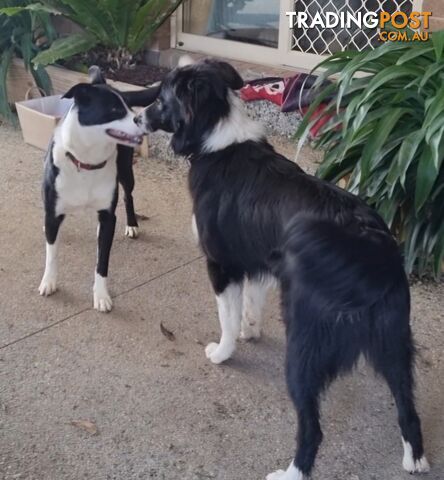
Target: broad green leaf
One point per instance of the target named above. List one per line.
(407, 153)
(434, 108)
(302, 130)
(371, 153)
(433, 69)
(387, 209)
(148, 19)
(388, 75)
(92, 18)
(413, 54)
(33, 7)
(438, 44)
(65, 48)
(437, 146)
(435, 127)
(5, 62)
(425, 179)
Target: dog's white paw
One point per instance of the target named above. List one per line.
(131, 232)
(48, 285)
(415, 466)
(278, 475)
(102, 298)
(103, 302)
(217, 354)
(292, 473)
(418, 466)
(410, 464)
(250, 332)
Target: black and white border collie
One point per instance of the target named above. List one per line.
(90, 153)
(257, 214)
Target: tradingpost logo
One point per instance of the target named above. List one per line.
(397, 22)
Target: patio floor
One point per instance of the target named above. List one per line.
(157, 409)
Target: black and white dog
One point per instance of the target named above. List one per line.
(344, 290)
(90, 153)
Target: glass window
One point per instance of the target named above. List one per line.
(248, 21)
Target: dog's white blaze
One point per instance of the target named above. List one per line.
(237, 127)
(102, 298)
(292, 473)
(409, 463)
(48, 285)
(79, 189)
(255, 295)
(82, 189)
(229, 305)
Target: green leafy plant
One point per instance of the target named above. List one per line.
(122, 27)
(386, 138)
(22, 35)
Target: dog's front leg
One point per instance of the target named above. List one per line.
(107, 226)
(227, 284)
(255, 296)
(48, 285)
(126, 178)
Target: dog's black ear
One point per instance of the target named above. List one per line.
(142, 98)
(95, 75)
(81, 93)
(228, 74)
(231, 76)
(182, 142)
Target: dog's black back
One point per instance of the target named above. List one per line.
(245, 196)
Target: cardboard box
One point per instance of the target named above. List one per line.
(39, 116)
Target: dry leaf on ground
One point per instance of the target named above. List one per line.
(86, 425)
(167, 333)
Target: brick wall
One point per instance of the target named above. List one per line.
(437, 9)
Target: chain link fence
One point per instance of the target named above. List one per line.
(327, 41)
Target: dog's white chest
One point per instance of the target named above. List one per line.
(81, 189)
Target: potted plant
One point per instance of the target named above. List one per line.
(386, 136)
(111, 34)
(24, 32)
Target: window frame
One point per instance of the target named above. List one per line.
(277, 57)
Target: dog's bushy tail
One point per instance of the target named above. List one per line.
(342, 268)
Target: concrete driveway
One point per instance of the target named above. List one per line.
(85, 395)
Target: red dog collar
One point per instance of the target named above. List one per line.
(84, 166)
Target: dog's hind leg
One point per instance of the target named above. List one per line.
(227, 284)
(305, 382)
(255, 295)
(48, 285)
(391, 352)
(126, 179)
(107, 226)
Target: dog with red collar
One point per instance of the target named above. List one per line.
(90, 153)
